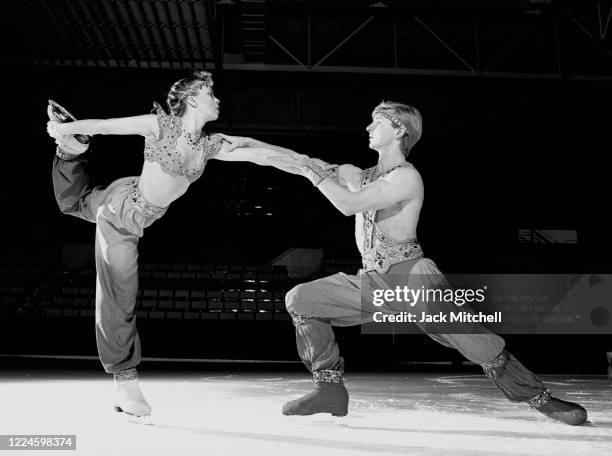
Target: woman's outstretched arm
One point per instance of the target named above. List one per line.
(145, 125)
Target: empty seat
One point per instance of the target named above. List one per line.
(248, 305)
(232, 306)
(82, 302)
(198, 305)
(149, 304)
(87, 291)
(231, 295)
(214, 295)
(71, 312)
(215, 306)
(90, 313)
(148, 293)
(53, 312)
(165, 304)
(265, 305)
(166, 293)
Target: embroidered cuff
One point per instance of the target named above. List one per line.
(65, 155)
(298, 319)
(128, 375)
(493, 368)
(328, 375)
(315, 174)
(541, 399)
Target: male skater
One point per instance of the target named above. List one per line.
(386, 201)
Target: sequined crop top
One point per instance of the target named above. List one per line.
(163, 149)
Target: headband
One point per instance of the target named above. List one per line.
(385, 113)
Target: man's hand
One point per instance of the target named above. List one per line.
(313, 169)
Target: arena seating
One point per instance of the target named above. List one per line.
(172, 291)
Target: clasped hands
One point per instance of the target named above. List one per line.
(290, 161)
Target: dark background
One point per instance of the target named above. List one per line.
(521, 145)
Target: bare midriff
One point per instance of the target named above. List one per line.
(160, 188)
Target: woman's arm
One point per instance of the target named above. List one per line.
(236, 142)
(145, 125)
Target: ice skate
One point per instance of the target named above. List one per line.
(564, 411)
(69, 144)
(129, 400)
(326, 397)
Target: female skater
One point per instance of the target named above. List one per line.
(176, 151)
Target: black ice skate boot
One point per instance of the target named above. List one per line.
(328, 396)
(557, 409)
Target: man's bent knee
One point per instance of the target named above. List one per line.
(297, 299)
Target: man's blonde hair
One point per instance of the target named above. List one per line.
(403, 116)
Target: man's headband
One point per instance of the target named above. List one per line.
(385, 113)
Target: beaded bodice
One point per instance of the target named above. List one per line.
(163, 149)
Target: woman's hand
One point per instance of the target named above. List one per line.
(236, 142)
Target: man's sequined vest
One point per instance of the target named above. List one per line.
(381, 251)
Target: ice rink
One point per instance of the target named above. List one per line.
(239, 413)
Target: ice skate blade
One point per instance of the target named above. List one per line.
(62, 115)
(334, 414)
(144, 419)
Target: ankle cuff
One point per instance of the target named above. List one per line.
(541, 399)
(494, 368)
(328, 375)
(128, 375)
(65, 155)
(298, 319)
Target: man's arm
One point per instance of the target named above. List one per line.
(145, 125)
(400, 185)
